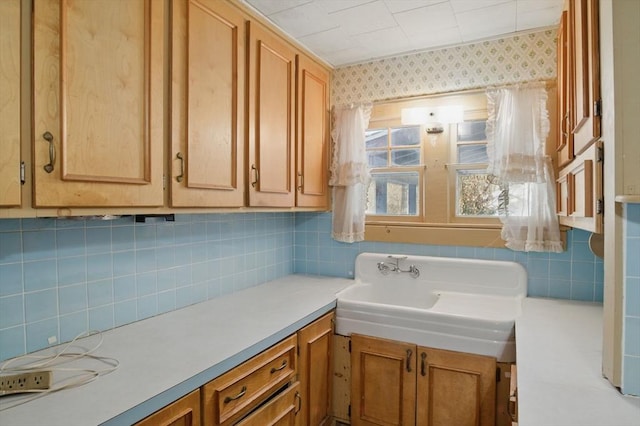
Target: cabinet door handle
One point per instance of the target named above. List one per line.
(47, 136)
(256, 174)
(423, 366)
(299, 398)
(282, 366)
(228, 399)
(180, 177)
(409, 353)
(301, 176)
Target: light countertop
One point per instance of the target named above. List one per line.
(559, 356)
(167, 356)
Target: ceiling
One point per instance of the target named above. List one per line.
(350, 31)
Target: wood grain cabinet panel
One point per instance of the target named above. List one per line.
(383, 382)
(207, 114)
(455, 388)
(183, 412)
(312, 134)
(584, 72)
(10, 104)
(271, 119)
(98, 103)
(315, 371)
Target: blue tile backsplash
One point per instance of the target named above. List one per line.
(631, 324)
(61, 277)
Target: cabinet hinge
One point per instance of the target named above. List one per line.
(498, 374)
(600, 206)
(349, 345)
(600, 154)
(597, 108)
(349, 411)
(164, 182)
(22, 173)
(298, 350)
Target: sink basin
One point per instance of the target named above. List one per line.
(464, 305)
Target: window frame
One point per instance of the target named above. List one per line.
(438, 224)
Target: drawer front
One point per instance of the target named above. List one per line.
(235, 393)
(280, 411)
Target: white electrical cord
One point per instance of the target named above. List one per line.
(50, 362)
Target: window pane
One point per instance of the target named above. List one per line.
(377, 158)
(472, 154)
(376, 138)
(394, 194)
(472, 131)
(404, 136)
(476, 195)
(405, 157)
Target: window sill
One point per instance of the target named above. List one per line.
(454, 235)
(437, 234)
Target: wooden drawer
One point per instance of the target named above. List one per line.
(237, 392)
(183, 412)
(280, 411)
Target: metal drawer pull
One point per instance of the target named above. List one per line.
(257, 175)
(409, 353)
(423, 370)
(301, 176)
(47, 136)
(228, 399)
(180, 177)
(299, 398)
(283, 365)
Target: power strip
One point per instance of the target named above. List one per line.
(23, 382)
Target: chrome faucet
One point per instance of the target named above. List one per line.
(385, 268)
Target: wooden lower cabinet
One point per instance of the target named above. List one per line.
(396, 383)
(183, 412)
(315, 371)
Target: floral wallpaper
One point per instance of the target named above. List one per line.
(525, 57)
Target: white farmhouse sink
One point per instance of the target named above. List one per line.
(463, 305)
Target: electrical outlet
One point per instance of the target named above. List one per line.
(22, 382)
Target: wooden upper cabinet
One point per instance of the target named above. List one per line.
(565, 135)
(10, 135)
(98, 102)
(585, 73)
(383, 382)
(207, 114)
(455, 388)
(271, 119)
(312, 134)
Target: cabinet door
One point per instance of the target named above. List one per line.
(271, 119)
(98, 102)
(583, 16)
(455, 389)
(580, 191)
(207, 113)
(183, 412)
(10, 61)
(383, 382)
(315, 372)
(312, 134)
(565, 136)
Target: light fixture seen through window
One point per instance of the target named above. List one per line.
(434, 119)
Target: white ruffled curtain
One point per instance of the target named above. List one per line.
(349, 172)
(517, 129)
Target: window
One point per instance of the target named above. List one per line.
(394, 156)
(429, 181)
